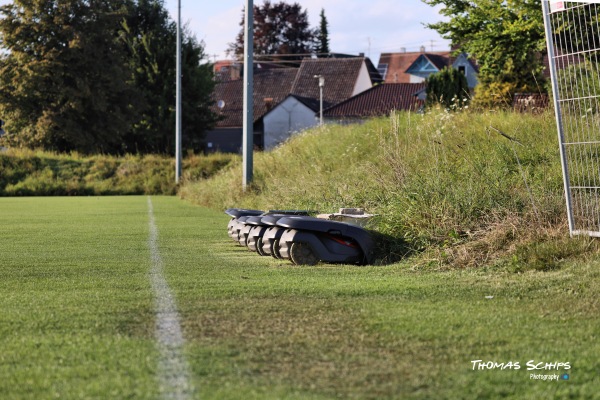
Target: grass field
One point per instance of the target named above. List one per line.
(78, 317)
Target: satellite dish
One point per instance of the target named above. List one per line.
(220, 104)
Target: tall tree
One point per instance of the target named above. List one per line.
(323, 35)
(151, 41)
(279, 28)
(63, 79)
(506, 38)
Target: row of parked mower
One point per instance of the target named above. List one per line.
(300, 238)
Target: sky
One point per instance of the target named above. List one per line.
(371, 27)
(355, 26)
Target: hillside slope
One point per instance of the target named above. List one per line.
(459, 189)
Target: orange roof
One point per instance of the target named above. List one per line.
(398, 63)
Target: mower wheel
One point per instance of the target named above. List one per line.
(302, 254)
(275, 250)
(259, 246)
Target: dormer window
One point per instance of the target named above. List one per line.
(422, 65)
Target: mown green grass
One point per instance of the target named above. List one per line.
(260, 328)
(77, 311)
(78, 321)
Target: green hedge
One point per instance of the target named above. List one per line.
(37, 173)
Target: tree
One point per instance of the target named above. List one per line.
(506, 38)
(323, 35)
(151, 41)
(448, 87)
(99, 76)
(279, 28)
(63, 79)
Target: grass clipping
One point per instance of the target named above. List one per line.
(453, 189)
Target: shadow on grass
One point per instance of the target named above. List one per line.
(390, 249)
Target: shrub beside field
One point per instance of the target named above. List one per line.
(462, 189)
(36, 173)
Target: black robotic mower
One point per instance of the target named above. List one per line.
(260, 225)
(235, 224)
(293, 235)
(307, 240)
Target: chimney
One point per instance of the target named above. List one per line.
(361, 54)
(422, 49)
(268, 103)
(402, 49)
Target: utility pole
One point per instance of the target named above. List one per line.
(178, 99)
(248, 135)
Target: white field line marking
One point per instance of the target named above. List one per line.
(173, 369)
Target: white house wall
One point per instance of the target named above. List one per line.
(363, 82)
(287, 118)
(471, 74)
(416, 79)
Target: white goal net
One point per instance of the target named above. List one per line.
(573, 39)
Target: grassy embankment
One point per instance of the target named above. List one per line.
(457, 189)
(37, 173)
(78, 315)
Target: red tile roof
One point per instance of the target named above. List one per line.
(271, 86)
(379, 100)
(340, 75)
(398, 63)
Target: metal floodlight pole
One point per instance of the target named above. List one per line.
(178, 99)
(321, 86)
(248, 134)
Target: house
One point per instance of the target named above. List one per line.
(286, 100)
(271, 86)
(415, 67)
(377, 101)
(294, 114)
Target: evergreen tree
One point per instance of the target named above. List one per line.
(448, 87)
(63, 79)
(279, 28)
(323, 35)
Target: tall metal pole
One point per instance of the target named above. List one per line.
(248, 135)
(558, 113)
(178, 99)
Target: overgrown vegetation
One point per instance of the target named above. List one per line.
(505, 37)
(31, 173)
(460, 189)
